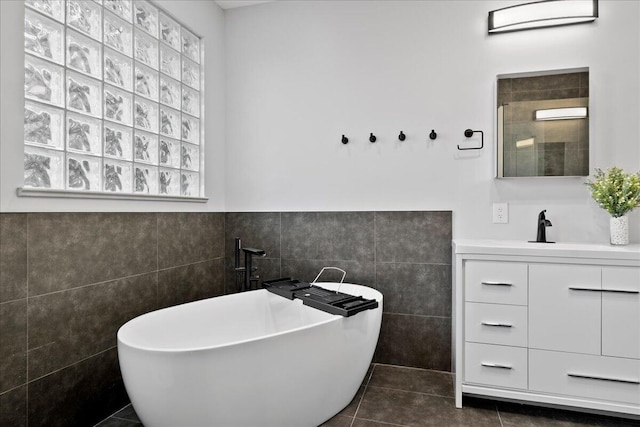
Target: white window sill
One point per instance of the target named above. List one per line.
(70, 194)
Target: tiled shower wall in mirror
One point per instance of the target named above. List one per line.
(68, 281)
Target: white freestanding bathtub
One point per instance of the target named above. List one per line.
(252, 359)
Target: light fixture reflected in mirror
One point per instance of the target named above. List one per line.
(561, 113)
(525, 143)
(540, 14)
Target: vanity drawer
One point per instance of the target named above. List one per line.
(496, 282)
(496, 324)
(595, 377)
(495, 365)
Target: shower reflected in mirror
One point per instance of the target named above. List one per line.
(543, 124)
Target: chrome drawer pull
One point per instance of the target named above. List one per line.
(497, 283)
(621, 291)
(495, 365)
(502, 325)
(595, 377)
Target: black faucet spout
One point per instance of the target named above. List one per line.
(543, 223)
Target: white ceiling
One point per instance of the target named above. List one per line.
(230, 4)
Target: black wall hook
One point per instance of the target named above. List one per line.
(344, 139)
(469, 133)
(372, 137)
(402, 136)
(433, 134)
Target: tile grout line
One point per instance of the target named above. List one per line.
(27, 327)
(383, 422)
(413, 391)
(12, 300)
(499, 417)
(157, 260)
(414, 368)
(95, 284)
(353, 420)
(71, 364)
(375, 252)
(122, 278)
(113, 416)
(417, 315)
(280, 235)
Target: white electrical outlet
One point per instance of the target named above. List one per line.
(500, 213)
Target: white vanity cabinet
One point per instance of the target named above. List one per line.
(556, 324)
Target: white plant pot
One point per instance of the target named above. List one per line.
(619, 230)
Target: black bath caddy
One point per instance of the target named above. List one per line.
(320, 298)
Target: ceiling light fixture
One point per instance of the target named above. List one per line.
(540, 14)
(562, 113)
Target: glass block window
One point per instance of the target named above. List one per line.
(112, 99)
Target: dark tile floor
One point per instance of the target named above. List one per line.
(399, 396)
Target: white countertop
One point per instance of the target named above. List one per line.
(567, 250)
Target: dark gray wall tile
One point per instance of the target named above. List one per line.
(328, 235)
(359, 272)
(191, 282)
(559, 81)
(417, 341)
(13, 256)
(68, 326)
(256, 229)
(188, 237)
(68, 250)
(13, 344)
(417, 409)
(415, 288)
(79, 395)
(13, 407)
(417, 237)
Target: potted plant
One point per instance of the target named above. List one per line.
(618, 193)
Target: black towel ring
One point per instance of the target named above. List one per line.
(469, 133)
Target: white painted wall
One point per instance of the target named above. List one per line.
(205, 18)
(301, 74)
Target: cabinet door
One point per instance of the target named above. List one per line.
(564, 308)
(621, 312)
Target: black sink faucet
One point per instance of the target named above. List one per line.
(543, 223)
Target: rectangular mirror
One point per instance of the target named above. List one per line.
(543, 123)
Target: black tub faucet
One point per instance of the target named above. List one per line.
(249, 253)
(244, 278)
(543, 223)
